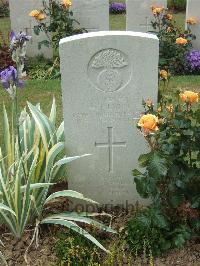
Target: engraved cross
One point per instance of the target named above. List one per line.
(147, 24)
(110, 145)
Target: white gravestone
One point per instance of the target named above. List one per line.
(193, 10)
(21, 21)
(93, 15)
(139, 14)
(105, 76)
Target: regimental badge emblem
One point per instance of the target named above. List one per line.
(109, 70)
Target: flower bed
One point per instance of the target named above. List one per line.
(193, 62)
(117, 8)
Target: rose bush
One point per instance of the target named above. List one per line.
(56, 21)
(174, 42)
(171, 174)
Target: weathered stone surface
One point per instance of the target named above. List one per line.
(139, 14)
(193, 10)
(92, 15)
(21, 21)
(105, 76)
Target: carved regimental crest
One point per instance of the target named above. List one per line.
(109, 70)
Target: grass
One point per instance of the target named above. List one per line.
(35, 91)
(180, 19)
(118, 22)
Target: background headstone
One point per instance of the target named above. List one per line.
(139, 14)
(93, 15)
(21, 21)
(105, 76)
(193, 10)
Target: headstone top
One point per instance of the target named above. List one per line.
(108, 33)
(139, 14)
(93, 15)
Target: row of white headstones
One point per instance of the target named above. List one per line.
(105, 77)
(94, 16)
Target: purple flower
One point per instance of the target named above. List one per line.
(193, 61)
(8, 78)
(117, 8)
(18, 40)
(20, 83)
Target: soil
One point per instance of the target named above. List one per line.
(15, 250)
(44, 255)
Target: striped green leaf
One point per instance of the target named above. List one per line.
(69, 193)
(70, 159)
(73, 226)
(81, 219)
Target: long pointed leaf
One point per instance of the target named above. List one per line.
(37, 186)
(73, 226)
(86, 220)
(70, 159)
(68, 193)
(52, 116)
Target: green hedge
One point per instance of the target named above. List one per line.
(179, 5)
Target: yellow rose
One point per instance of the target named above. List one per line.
(169, 16)
(181, 41)
(189, 96)
(192, 21)
(67, 3)
(34, 13)
(164, 74)
(149, 123)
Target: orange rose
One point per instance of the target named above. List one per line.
(169, 16)
(189, 96)
(67, 3)
(157, 10)
(181, 41)
(192, 21)
(37, 15)
(41, 16)
(34, 13)
(164, 74)
(149, 123)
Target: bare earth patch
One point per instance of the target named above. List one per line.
(44, 255)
